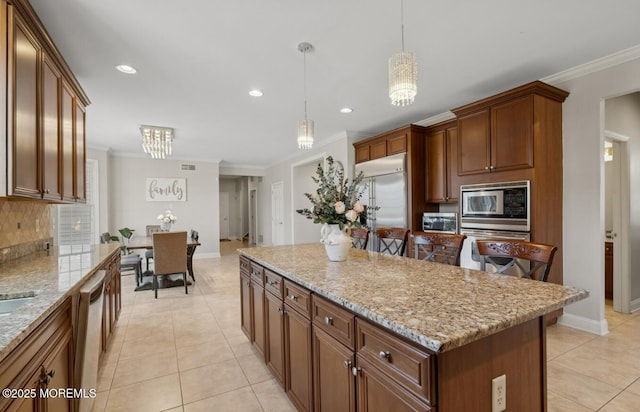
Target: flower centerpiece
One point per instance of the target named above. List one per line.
(336, 204)
(166, 220)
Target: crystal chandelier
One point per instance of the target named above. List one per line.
(305, 127)
(403, 72)
(156, 141)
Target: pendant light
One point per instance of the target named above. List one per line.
(305, 127)
(403, 72)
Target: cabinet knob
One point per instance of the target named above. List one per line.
(491, 167)
(486, 168)
(280, 309)
(347, 364)
(293, 298)
(328, 320)
(46, 376)
(385, 355)
(355, 371)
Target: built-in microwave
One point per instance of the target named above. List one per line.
(496, 206)
(440, 222)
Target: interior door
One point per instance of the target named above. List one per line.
(277, 213)
(224, 215)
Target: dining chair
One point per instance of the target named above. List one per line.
(360, 237)
(437, 247)
(151, 229)
(170, 257)
(128, 261)
(507, 253)
(191, 250)
(392, 240)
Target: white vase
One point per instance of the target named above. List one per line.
(336, 242)
(165, 226)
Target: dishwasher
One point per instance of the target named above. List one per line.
(89, 335)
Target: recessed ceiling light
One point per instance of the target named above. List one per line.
(346, 110)
(255, 93)
(126, 69)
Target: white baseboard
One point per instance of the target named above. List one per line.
(585, 324)
(635, 305)
(206, 255)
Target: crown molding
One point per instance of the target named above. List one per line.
(593, 66)
(442, 117)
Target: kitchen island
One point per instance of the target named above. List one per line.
(422, 336)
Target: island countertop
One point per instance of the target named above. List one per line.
(438, 306)
(50, 277)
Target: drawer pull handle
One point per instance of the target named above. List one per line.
(293, 298)
(271, 283)
(328, 320)
(347, 364)
(385, 355)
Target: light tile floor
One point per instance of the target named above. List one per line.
(187, 353)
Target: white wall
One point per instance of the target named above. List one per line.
(232, 186)
(338, 147)
(583, 209)
(128, 205)
(102, 157)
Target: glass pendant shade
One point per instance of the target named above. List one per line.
(305, 134)
(403, 78)
(156, 141)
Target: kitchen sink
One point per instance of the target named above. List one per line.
(9, 305)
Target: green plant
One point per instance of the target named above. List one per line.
(126, 234)
(336, 201)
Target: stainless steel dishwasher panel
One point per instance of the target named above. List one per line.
(88, 337)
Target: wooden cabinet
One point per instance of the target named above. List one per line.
(298, 355)
(40, 163)
(441, 148)
(112, 300)
(274, 354)
(245, 306)
(257, 306)
(333, 357)
(608, 270)
(42, 361)
(496, 138)
(381, 146)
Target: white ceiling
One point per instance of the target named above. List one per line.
(198, 59)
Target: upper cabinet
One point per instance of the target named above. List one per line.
(497, 134)
(44, 154)
(441, 146)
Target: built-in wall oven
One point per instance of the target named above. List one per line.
(440, 222)
(493, 211)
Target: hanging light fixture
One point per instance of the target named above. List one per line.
(403, 72)
(305, 127)
(156, 141)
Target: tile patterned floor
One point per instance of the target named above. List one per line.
(186, 353)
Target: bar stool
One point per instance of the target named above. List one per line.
(392, 240)
(506, 253)
(437, 247)
(360, 237)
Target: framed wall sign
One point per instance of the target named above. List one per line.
(166, 189)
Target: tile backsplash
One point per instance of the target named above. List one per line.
(24, 227)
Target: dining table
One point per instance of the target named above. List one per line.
(146, 242)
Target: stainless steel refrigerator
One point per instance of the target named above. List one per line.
(384, 193)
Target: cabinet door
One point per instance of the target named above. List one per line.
(436, 167)
(378, 392)
(474, 151)
(362, 153)
(274, 336)
(58, 367)
(298, 359)
(333, 381)
(24, 55)
(378, 149)
(257, 297)
(452, 180)
(79, 154)
(512, 134)
(245, 307)
(397, 144)
(28, 404)
(51, 87)
(68, 161)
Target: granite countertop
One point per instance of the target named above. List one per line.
(48, 276)
(438, 306)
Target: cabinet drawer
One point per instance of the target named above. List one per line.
(297, 298)
(245, 266)
(334, 320)
(411, 367)
(273, 283)
(257, 274)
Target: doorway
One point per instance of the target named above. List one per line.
(253, 220)
(277, 213)
(224, 215)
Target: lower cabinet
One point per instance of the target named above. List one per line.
(41, 363)
(325, 359)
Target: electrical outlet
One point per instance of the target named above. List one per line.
(499, 393)
(37, 225)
